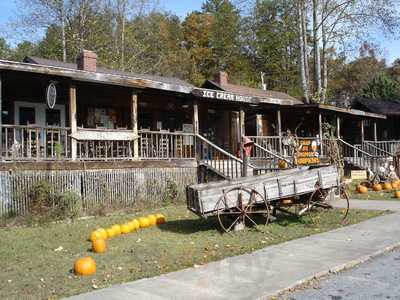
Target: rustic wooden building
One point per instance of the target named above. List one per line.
(114, 136)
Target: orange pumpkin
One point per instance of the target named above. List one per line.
(136, 223)
(85, 266)
(103, 233)
(377, 187)
(362, 189)
(397, 194)
(125, 228)
(387, 186)
(110, 232)
(117, 229)
(152, 219)
(395, 185)
(95, 235)
(99, 246)
(131, 226)
(160, 218)
(144, 222)
(282, 164)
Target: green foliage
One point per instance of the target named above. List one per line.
(382, 87)
(5, 50)
(46, 205)
(171, 193)
(272, 37)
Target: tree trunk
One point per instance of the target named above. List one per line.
(63, 38)
(324, 65)
(305, 43)
(317, 54)
(302, 58)
(123, 43)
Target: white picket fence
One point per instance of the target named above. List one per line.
(97, 188)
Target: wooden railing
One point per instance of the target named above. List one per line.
(374, 149)
(381, 148)
(356, 156)
(30, 142)
(216, 158)
(270, 143)
(104, 150)
(264, 159)
(166, 145)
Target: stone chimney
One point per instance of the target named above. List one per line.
(221, 78)
(87, 61)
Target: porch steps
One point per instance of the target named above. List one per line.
(225, 169)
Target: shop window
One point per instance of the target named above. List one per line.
(102, 117)
(27, 115)
(53, 117)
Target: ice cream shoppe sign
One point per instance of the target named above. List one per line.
(309, 152)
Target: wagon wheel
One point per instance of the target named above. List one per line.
(240, 205)
(320, 199)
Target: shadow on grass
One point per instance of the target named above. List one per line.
(187, 226)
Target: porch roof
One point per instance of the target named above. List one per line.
(350, 111)
(104, 76)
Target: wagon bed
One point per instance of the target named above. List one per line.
(202, 199)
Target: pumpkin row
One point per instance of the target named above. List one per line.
(87, 265)
(135, 224)
(377, 187)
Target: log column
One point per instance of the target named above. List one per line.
(73, 120)
(242, 132)
(375, 132)
(134, 118)
(362, 131)
(195, 117)
(1, 117)
(279, 120)
(338, 127)
(259, 125)
(320, 133)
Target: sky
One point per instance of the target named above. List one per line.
(390, 47)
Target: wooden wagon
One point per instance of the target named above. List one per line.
(241, 201)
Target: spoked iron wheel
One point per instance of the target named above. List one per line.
(320, 198)
(241, 205)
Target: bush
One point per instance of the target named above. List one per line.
(47, 205)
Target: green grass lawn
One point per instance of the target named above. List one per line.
(32, 268)
(372, 195)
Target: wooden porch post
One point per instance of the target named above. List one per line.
(338, 127)
(242, 133)
(72, 119)
(362, 131)
(134, 112)
(242, 123)
(375, 132)
(259, 125)
(1, 118)
(320, 132)
(195, 117)
(278, 116)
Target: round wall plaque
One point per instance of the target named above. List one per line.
(51, 95)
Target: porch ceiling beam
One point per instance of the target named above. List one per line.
(85, 76)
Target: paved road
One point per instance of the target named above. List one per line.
(375, 279)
